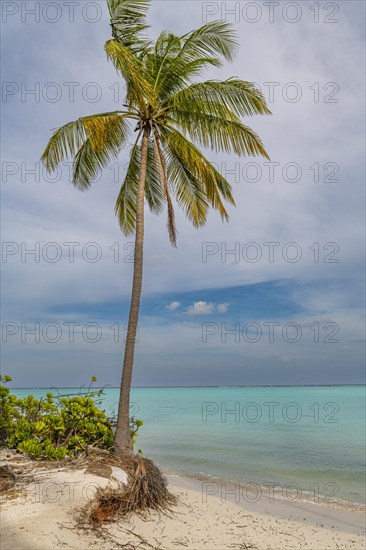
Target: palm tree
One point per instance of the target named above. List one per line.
(172, 113)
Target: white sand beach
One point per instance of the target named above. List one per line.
(43, 515)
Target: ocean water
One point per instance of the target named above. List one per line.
(301, 442)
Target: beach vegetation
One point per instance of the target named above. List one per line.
(56, 426)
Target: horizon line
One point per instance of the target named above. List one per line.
(192, 386)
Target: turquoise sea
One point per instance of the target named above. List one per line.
(307, 441)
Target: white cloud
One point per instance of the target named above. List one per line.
(173, 306)
(206, 308)
(201, 308)
(285, 359)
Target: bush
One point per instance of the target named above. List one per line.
(56, 426)
(7, 408)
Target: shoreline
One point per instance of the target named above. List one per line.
(317, 514)
(249, 491)
(44, 514)
(198, 386)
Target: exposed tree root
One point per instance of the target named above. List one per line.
(7, 479)
(147, 489)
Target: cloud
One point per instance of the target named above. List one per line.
(173, 306)
(201, 308)
(321, 213)
(206, 308)
(285, 359)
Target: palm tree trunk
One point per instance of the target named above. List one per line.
(122, 440)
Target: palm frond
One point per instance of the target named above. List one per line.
(154, 191)
(214, 38)
(106, 136)
(103, 130)
(106, 131)
(207, 185)
(65, 142)
(187, 56)
(126, 204)
(238, 96)
(92, 141)
(128, 23)
(172, 229)
(167, 46)
(171, 70)
(220, 134)
(187, 189)
(139, 90)
(87, 164)
(179, 73)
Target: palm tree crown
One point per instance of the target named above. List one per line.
(163, 99)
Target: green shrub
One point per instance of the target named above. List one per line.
(56, 426)
(7, 411)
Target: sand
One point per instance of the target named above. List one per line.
(43, 514)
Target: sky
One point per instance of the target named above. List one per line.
(275, 296)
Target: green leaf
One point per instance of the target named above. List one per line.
(128, 23)
(93, 142)
(239, 97)
(126, 201)
(196, 182)
(139, 89)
